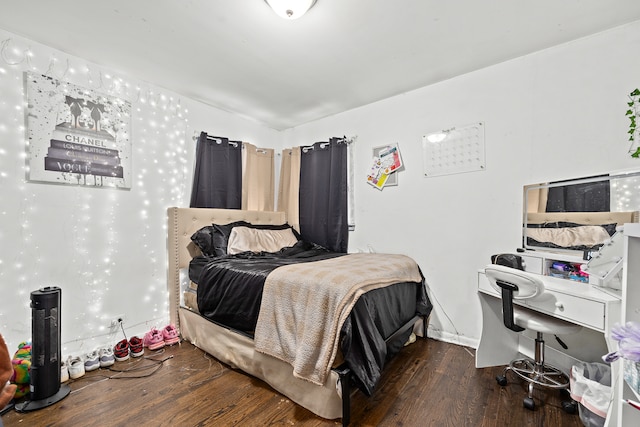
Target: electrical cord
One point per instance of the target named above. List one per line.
(121, 323)
(432, 295)
(121, 373)
(156, 365)
(220, 369)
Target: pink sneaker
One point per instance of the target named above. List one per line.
(170, 335)
(153, 339)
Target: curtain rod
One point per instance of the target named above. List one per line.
(343, 140)
(217, 139)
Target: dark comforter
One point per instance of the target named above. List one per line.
(230, 291)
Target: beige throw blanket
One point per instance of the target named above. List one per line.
(304, 306)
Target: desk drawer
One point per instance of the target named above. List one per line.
(558, 304)
(485, 286)
(571, 308)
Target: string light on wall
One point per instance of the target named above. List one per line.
(624, 196)
(99, 229)
(15, 56)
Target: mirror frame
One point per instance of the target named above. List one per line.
(614, 176)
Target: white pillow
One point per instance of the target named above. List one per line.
(244, 239)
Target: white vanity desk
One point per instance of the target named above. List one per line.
(576, 302)
(613, 294)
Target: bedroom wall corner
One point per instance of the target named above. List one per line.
(104, 247)
(553, 114)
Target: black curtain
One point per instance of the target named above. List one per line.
(586, 197)
(323, 194)
(217, 178)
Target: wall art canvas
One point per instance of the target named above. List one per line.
(76, 135)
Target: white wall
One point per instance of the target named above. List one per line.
(558, 113)
(105, 248)
(554, 114)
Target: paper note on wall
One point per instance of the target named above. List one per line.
(387, 161)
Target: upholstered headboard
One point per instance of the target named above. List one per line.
(182, 223)
(584, 218)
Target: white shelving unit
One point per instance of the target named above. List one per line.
(627, 415)
(540, 262)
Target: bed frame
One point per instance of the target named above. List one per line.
(330, 401)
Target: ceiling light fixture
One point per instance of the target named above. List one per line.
(290, 9)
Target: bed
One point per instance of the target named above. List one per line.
(581, 231)
(327, 394)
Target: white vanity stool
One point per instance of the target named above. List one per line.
(515, 284)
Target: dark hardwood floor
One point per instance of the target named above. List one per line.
(429, 383)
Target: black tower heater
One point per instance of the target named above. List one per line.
(45, 388)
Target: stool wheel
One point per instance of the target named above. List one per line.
(502, 380)
(529, 403)
(570, 407)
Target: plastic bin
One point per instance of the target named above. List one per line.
(591, 388)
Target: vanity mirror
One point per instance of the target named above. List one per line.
(580, 215)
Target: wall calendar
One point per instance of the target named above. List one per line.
(455, 150)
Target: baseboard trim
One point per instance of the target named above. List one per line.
(450, 338)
